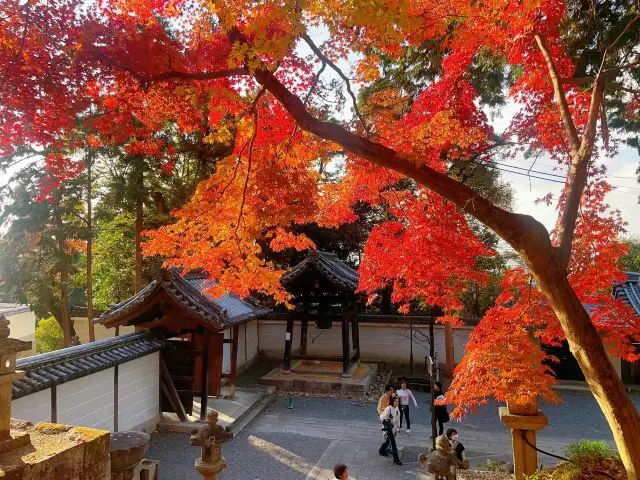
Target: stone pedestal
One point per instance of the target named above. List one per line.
(524, 421)
(9, 349)
(58, 452)
(210, 438)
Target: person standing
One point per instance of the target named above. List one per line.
(389, 417)
(340, 471)
(442, 415)
(385, 399)
(404, 394)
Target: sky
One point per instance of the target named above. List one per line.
(621, 172)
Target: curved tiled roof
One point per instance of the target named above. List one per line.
(187, 291)
(8, 309)
(629, 291)
(60, 366)
(329, 265)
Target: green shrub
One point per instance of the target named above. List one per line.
(492, 466)
(588, 459)
(49, 335)
(589, 451)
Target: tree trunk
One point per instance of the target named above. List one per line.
(92, 334)
(64, 273)
(587, 347)
(139, 213)
(161, 205)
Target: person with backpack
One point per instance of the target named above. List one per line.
(390, 417)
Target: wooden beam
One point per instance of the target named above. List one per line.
(204, 394)
(355, 329)
(327, 358)
(346, 356)
(305, 327)
(287, 344)
(234, 361)
(214, 372)
(170, 391)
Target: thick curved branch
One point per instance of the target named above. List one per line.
(570, 127)
(326, 61)
(520, 231)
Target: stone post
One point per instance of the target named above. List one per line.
(210, 438)
(523, 420)
(9, 348)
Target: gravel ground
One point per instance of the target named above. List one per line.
(250, 457)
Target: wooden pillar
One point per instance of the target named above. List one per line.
(449, 351)
(234, 361)
(346, 351)
(288, 339)
(305, 327)
(524, 421)
(216, 352)
(198, 368)
(355, 331)
(204, 393)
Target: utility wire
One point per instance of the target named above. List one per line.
(494, 165)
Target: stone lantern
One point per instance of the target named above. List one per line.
(210, 437)
(9, 349)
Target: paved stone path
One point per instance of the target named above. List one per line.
(306, 441)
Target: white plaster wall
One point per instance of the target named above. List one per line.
(81, 325)
(247, 350)
(138, 391)
(23, 327)
(35, 407)
(87, 401)
(381, 342)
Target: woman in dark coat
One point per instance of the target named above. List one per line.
(442, 415)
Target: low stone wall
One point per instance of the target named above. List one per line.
(59, 452)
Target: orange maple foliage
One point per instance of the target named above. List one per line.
(232, 70)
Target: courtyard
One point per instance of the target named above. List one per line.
(306, 441)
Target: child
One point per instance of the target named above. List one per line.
(340, 471)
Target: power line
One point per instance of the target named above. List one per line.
(560, 166)
(553, 180)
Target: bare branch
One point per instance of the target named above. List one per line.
(606, 50)
(254, 110)
(576, 80)
(145, 80)
(623, 67)
(326, 61)
(570, 127)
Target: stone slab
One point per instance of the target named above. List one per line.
(321, 379)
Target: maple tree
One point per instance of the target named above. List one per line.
(125, 68)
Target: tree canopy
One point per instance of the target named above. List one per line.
(142, 75)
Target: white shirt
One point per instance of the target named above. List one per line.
(404, 396)
(391, 413)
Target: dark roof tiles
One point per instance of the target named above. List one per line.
(60, 366)
(629, 291)
(187, 291)
(329, 265)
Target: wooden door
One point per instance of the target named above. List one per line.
(179, 357)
